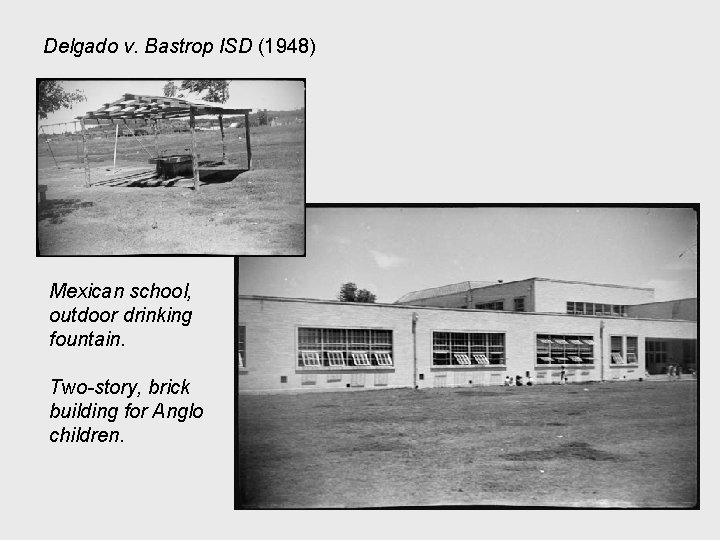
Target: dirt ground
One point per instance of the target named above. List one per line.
(259, 212)
(630, 444)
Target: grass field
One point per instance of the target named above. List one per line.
(259, 212)
(629, 444)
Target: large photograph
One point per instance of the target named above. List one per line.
(181, 167)
(424, 357)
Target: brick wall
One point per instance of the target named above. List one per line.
(271, 343)
(552, 296)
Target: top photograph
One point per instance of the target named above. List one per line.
(170, 167)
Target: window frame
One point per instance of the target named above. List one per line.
(492, 306)
(563, 347)
(625, 351)
(367, 340)
(519, 300)
(478, 342)
(596, 309)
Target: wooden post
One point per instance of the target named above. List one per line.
(247, 140)
(77, 146)
(117, 129)
(157, 144)
(222, 136)
(47, 141)
(196, 172)
(85, 154)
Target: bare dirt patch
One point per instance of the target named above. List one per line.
(572, 450)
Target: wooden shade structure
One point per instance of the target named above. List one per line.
(142, 107)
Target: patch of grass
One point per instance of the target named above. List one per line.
(260, 212)
(56, 210)
(529, 446)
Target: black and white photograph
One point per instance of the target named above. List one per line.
(171, 167)
(464, 356)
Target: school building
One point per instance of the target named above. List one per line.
(466, 334)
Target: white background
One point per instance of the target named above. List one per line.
(559, 101)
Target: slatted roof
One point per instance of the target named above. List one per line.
(141, 107)
(454, 288)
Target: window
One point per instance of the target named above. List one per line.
(519, 304)
(616, 350)
(623, 350)
(468, 348)
(632, 350)
(600, 310)
(496, 306)
(655, 353)
(344, 348)
(242, 357)
(552, 349)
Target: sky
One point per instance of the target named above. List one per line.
(392, 251)
(260, 94)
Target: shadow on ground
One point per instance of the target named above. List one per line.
(55, 210)
(152, 179)
(572, 450)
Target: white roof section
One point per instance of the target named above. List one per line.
(465, 286)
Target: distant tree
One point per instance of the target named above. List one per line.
(53, 97)
(350, 293)
(170, 89)
(364, 296)
(262, 117)
(218, 91)
(347, 292)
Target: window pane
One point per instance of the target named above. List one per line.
(478, 344)
(616, 350)
(441, 348)
(586, 349)
(309, 338)
(497, 348)
(458, 345)
(334, 339)
(381, 340)
(632, 350)
(360, 340)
